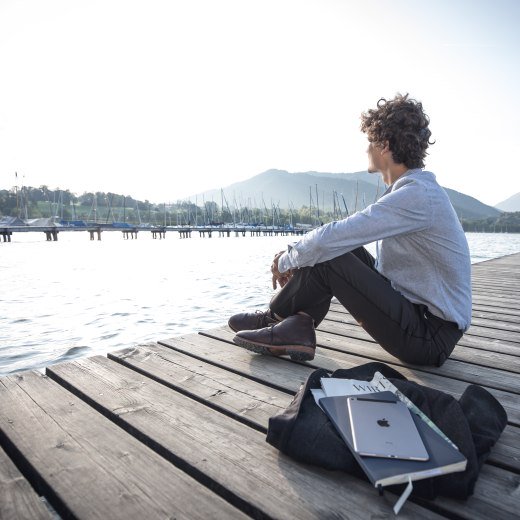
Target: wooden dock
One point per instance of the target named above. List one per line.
(95, 231)
(176, 429)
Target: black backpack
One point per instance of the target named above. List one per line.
(474, 423)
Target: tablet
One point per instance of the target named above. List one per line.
(384, 429)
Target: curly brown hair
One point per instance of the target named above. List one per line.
(403, 124)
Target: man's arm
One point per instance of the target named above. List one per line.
(401, 211)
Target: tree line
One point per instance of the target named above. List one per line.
(101, 207)
(508, 222)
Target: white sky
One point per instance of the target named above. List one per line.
(164, 99)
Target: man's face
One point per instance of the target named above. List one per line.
(374, 158)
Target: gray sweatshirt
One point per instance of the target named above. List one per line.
(421, 247)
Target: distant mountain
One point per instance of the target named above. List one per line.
(469, 207)
(354, 190)
(283, 189)
(510, 204)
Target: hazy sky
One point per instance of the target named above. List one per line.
(164, 99)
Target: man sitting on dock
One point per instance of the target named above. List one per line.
(414, 299)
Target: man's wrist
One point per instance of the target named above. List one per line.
(284, 263)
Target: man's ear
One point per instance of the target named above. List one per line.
(386, 148)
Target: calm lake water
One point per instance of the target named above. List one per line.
(76, 297)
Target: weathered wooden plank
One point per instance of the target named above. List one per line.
(495, 323)
(485, 312)
(339, 314)
(60, 440)
(228, 452)
(498, 265)
(493, 345)
(501, 285)
(18, 500)
(477, 335)
(330, 359)
(510, 321)
(216, 386)
(495, 266)
(495, 270)
(498, 360)
(497, 301)
(507, 311)
(511, 336)
(498, 276)
(501, 274)
(352, 329)
(507, 287)
(498, 297)
(506, 453)
(248, 399)
(267, 370)
(215, 346)
(494, 484)
(476, 362)
(331, 335)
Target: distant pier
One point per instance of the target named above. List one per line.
(95, 231)
(6, 234)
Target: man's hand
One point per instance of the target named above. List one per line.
(279, 278)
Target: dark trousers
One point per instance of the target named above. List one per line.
(406, 330)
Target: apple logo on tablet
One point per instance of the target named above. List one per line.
(383, 422)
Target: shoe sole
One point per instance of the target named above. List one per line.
(295, 352)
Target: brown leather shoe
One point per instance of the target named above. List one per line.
(251, 320)
(295, 336)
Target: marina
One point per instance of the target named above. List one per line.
(176, 428)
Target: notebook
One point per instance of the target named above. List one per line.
(382, 428)
(443, 458)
